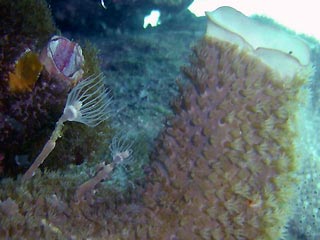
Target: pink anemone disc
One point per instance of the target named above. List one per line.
(63, 59)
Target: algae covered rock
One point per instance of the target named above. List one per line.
(31, 96)
(25, 27)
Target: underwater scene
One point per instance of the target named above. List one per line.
(140, 119)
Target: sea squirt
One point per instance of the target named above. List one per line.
(63, 59)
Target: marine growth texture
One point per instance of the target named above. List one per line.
(224, 166)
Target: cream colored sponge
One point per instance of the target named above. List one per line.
(285, 53)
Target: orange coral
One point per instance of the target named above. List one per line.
(26, 72)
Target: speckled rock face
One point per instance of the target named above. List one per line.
(306, 222)
(31, 97)
(23, 93)
(224, 166)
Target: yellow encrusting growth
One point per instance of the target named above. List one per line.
(26, 73)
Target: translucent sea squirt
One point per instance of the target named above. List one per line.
(63, 59)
